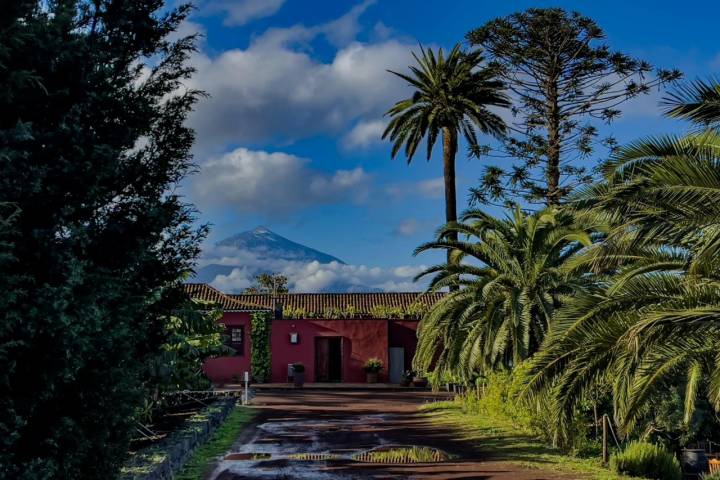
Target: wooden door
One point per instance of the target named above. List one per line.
(322, 359)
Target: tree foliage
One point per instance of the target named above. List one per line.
(260, 349)
(513, 274)
(652, 318)
(269, 284)
(561, 78)
(93, 239)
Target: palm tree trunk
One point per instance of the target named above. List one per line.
(449, 151)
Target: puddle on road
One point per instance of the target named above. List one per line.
(308, 449)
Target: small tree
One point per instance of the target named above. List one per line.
(269, 284)
(561, 79)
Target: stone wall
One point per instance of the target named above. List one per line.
(163, 460)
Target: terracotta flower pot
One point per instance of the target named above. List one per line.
(371, 377)
(420, 382)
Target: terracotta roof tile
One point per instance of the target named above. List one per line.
(363, 304)
(206, 293)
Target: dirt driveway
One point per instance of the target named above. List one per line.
(311, 434)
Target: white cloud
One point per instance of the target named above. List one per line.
(364, 134)
(273, 182)
(310, 276)
(432, 188)
(276, 91)
(240, 12)
(407, 227)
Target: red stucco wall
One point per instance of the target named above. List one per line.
(223, 369)
(362, 339)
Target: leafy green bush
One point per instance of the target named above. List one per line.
(710, 476)
(497, 394)
(260, 340)
(647, 460)
(373, 365)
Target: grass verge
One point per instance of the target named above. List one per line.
(500, 440)
(221, 441)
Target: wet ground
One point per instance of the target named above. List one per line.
(329, 435)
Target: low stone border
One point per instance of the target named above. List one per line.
(162, 461)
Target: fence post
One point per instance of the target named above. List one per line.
(605, 450)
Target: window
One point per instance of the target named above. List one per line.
(236, 335)
(237, 338)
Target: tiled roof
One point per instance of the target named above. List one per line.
(206, 293)
(362, 304)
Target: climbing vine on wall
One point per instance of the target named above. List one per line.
(260, 346)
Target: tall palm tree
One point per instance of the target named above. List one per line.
(513, 276)
(453, 95)
(655, 308)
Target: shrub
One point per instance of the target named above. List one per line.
(710, 476)
(373, 365)
(298, 368)
(260, 346)
(642, 459)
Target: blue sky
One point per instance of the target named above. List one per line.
(289, 138)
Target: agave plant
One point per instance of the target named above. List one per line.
(654, 310)
(512, 276)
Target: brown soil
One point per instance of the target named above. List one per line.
(306, 421)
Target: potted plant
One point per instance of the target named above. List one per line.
(419, 380)
(298, 374)
(406, 379)
(372, 368)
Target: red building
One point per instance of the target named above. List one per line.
(333, 335)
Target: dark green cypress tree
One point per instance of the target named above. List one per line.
(93, 239)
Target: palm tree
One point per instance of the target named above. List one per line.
(452, 96)
(654, 310)
(512, 278)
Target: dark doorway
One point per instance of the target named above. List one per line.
(328, 359)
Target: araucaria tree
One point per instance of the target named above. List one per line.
(561, 78)
(453, 95)
(92, 237)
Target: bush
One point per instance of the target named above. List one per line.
(260, 346)
(373, 365)
(641, 459)
(298, 368)
(710, 476)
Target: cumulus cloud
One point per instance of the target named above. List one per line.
(364, 134)
(240, 12)
(275, 90)
(431, 188)
(407, 227)
(273, 182)
(307, 277)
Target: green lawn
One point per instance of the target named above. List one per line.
(221, 441)
(503, 441)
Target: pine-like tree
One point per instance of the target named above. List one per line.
(562, 79)
(92, 236)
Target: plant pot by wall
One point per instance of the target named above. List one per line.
(299, 379)
(405, 382)
(421, 382)
(371, 377)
